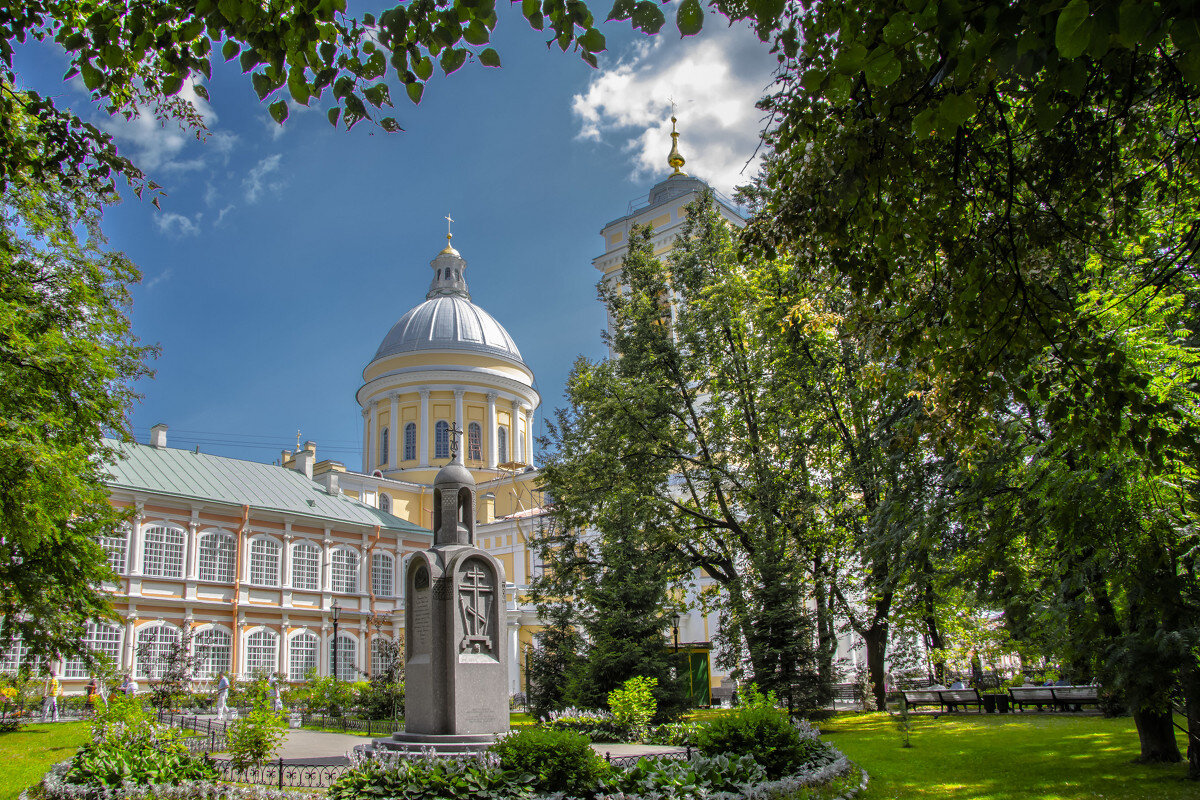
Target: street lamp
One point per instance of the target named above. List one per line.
(676, 621)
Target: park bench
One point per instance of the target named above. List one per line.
(1059, 697)
(943, 698)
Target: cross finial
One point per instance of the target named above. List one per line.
(449, 235)
(455, 433)
(297, 440)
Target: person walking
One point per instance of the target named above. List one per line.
(93, 691)
(50, 693)
(276, 695)
(222, 695)
(129, 687)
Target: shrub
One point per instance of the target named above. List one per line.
(380, 700)
(699, 777)
(633, 705)
(558, 761)
(599, 726)
(780, 747)
(254, 738)
(141, 757)
(430, 779)
(678, 734)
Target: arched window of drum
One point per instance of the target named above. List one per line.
(344, 569)
(306, 566)
(260, 652)
(502, 445)
(385, 503)
(383, 654)
(381, 574)
(217, 554)
(213, 649)
(383, 446)
(347, 658)
(264, 562)
(302, 656)
(441, 439)
(100, 638)
(156, 645)
(474, 441)
(163, 556)
(410, 441)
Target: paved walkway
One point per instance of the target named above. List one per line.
(318, 747)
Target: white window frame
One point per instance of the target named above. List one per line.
(264, 561)
(347, 667)
(410, 441)
(261, 656)
(383, 585)
(216, 556)
(116, 550)
(441, 439)
(166, 636)
(303, 568)
(377, 666)
(163, 550)
(304, 655)
(101, 637)
(211, 657)
(343, 575)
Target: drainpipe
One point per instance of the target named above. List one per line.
(237, 590)
(371, 587)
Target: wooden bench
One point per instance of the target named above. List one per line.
(1059, 697)
(943, 698)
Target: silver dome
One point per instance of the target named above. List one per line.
(449, 322)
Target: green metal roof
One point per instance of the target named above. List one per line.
(263, 487)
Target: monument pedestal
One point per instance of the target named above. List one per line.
(402, 743)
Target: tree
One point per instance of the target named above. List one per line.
(678, 433)
(67, 359)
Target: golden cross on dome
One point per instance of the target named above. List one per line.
(449, 235)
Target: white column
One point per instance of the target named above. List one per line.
(130, 641)
(460, 420)
(192, 565)
(423, 433)
(514, 671)
(285, 558)
(491, 428)
(366, 440)
(372, 438)
(326, 566)
(324, 653)
(364, 573)
(394, 433)
(514, 435)
(528, 434)
(281, 648)
(136, 545)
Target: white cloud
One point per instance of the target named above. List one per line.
(222, 213)
(177, 225)
(157, 279)
(715, 78)
(155, 144)
(257, 181)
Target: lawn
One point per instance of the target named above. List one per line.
(32, 750)
(997, 757)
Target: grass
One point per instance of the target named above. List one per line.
(1003, 757)
(33, 749)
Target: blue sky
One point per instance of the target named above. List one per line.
(281, 256)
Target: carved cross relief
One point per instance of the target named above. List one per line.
(476, 594)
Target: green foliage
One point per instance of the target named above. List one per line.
(699, 777)
(378, 699)
(120, 714)
(559, 761)
(633, 704)
(255, 738)
(765, 734)
(431, 779)
(676, 734)
(67, 360)
(598, 726)
(128, 746)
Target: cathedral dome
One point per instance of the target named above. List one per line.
(448, 320)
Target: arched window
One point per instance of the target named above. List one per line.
(100, 638)
(502, 445)
(385, 503)
(381, 574)
(383, 653)
(347, 658)
(306, 566)
(163, 555)
(217, 554)
(344, 570)
(264, 562)
(115, 548)
(474, 441)
(213, 649)
(410, 441)
(441, 439)
(18, 654)
(302, 656)
(383, 446)
(260, 652)
(156, 646)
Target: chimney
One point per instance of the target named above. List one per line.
(304, 462)
(310, 447)
(158, 435)
(331, 483)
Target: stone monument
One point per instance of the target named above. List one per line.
(456, 667)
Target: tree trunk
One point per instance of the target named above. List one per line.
(1157, 737)
(875, 639)
(826, 636)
